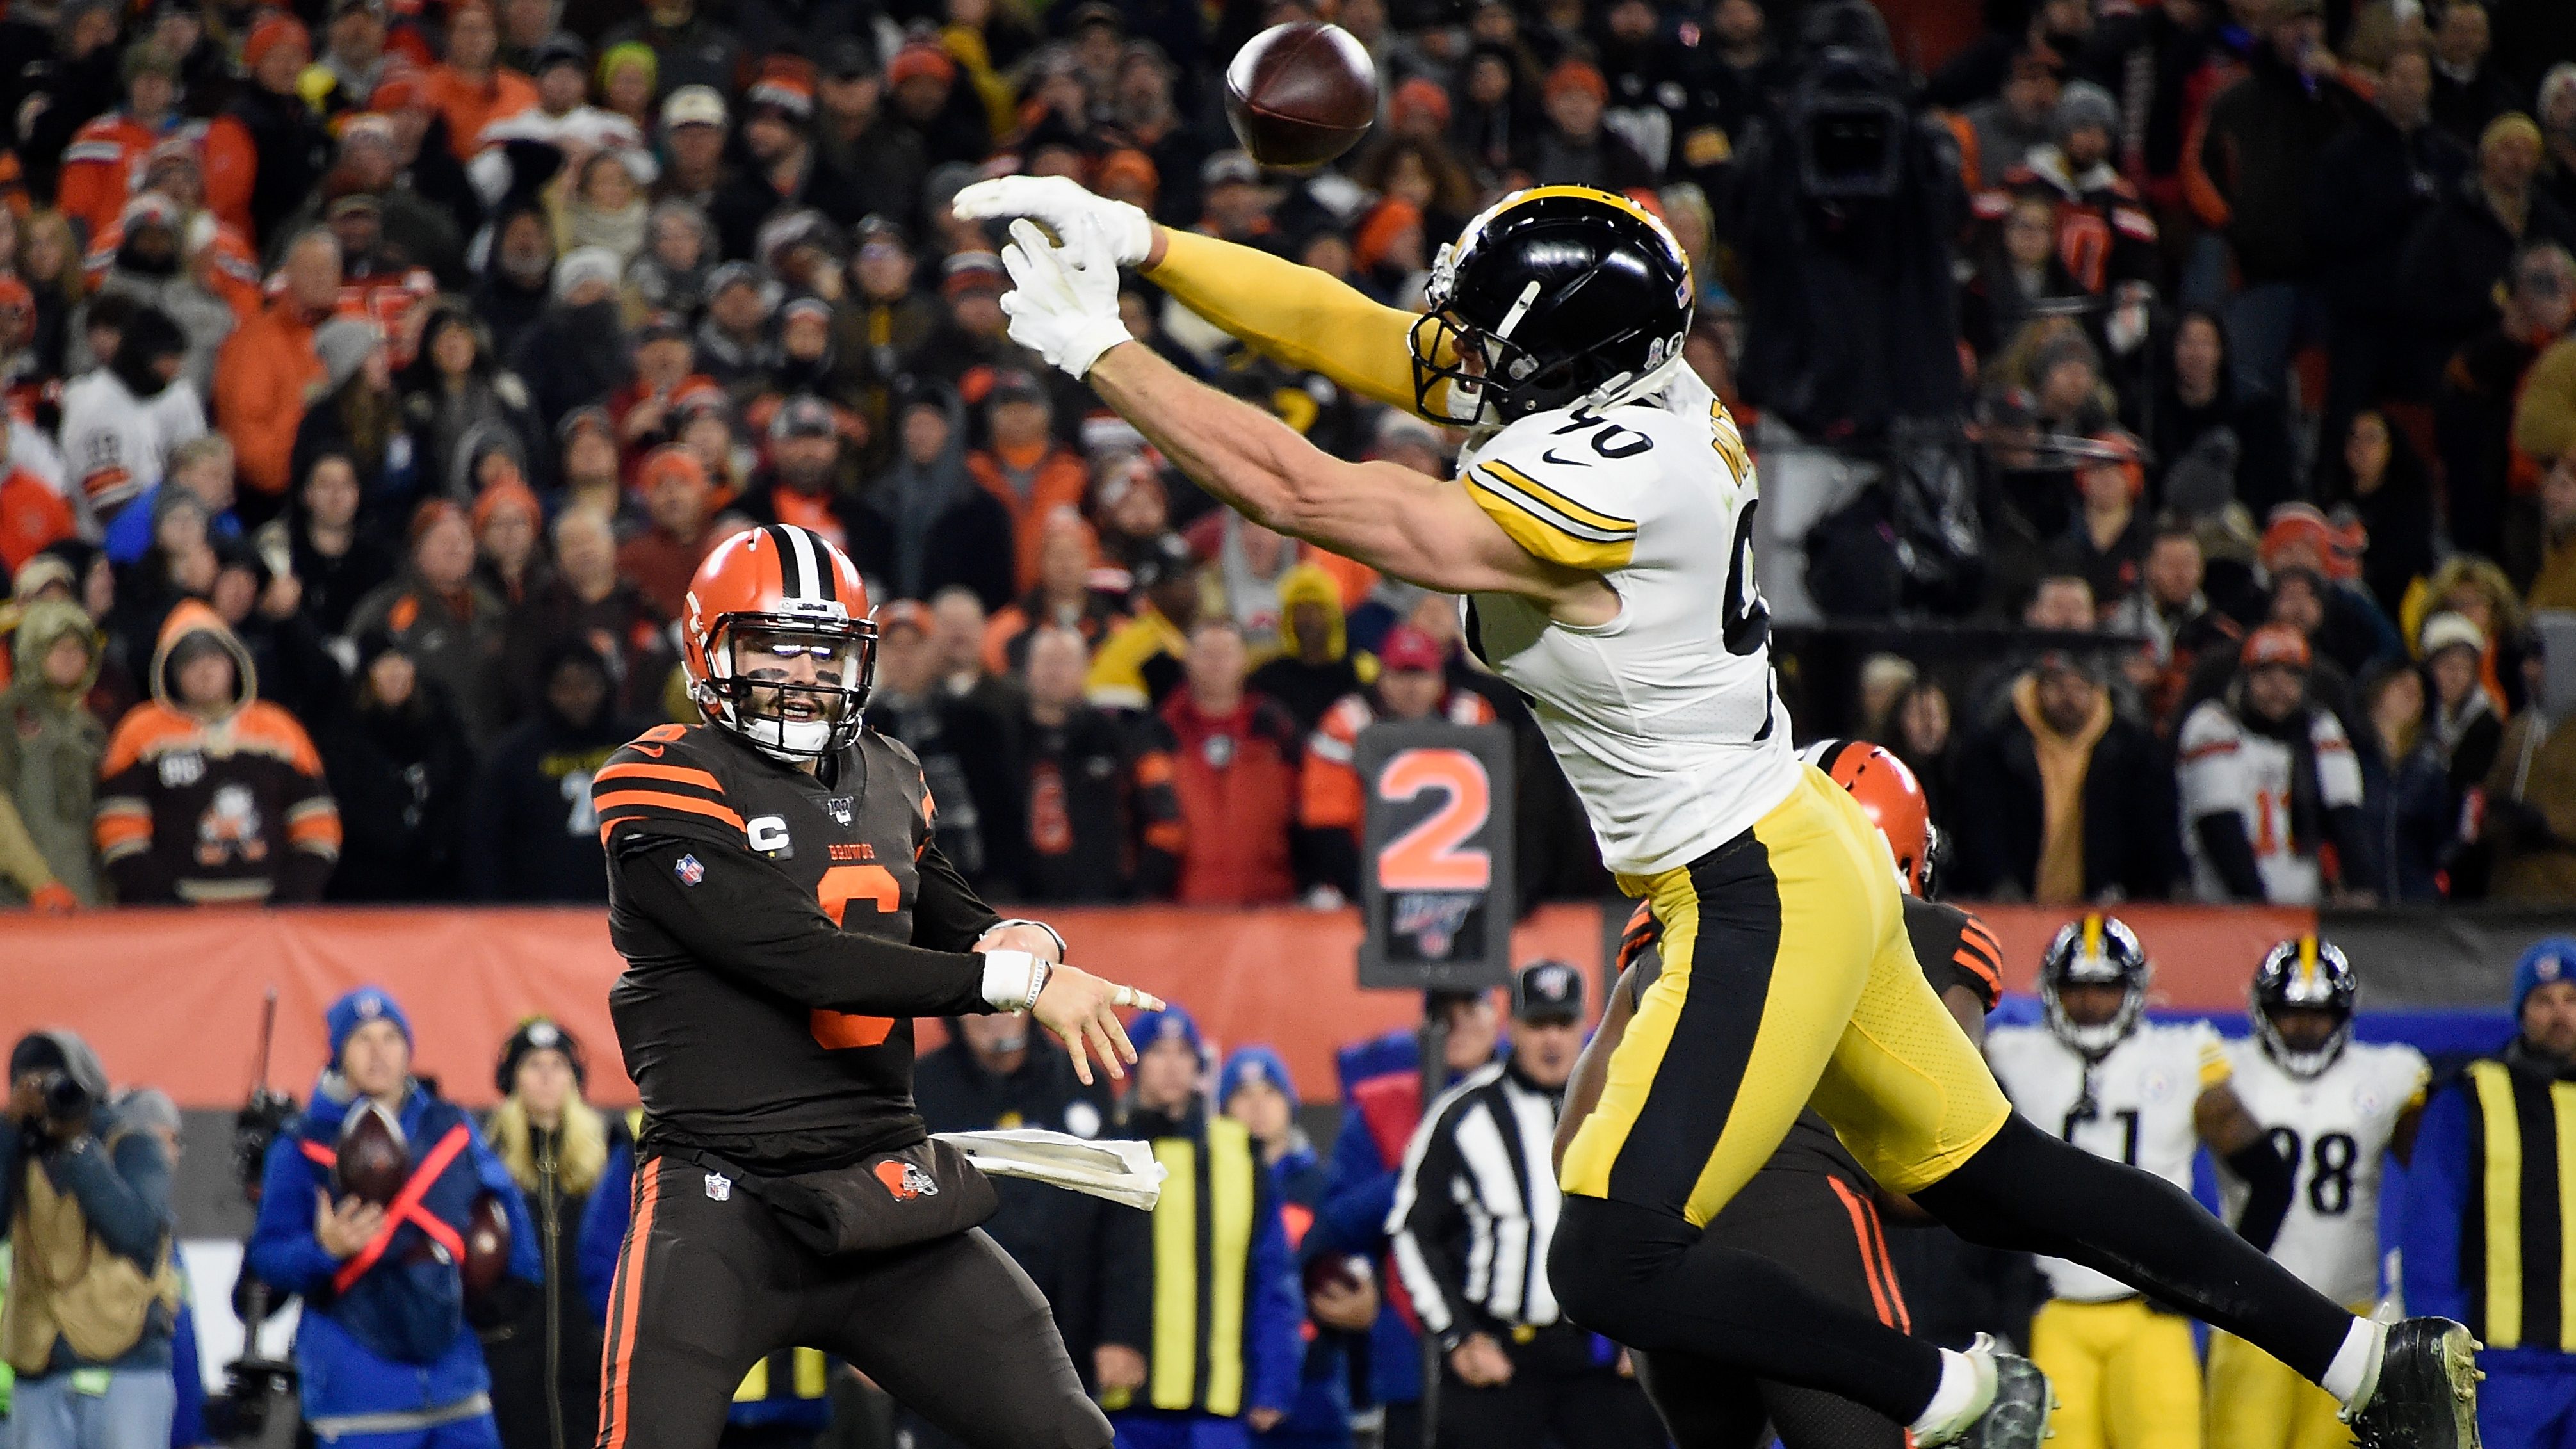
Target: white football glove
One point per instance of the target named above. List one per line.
(1063, 303)
(1061, 202)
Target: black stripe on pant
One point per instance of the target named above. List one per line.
(951, 1328)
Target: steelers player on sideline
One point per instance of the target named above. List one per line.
(1602, 531)
(2126, 1372)
(1811, 1207)
(785, 912)
(2335, 1110)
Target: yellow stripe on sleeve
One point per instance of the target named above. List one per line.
(1608, 522)
(1547, 532)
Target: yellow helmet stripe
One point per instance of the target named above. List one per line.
(2092, 933)
(1588, 193)
(2307, 960)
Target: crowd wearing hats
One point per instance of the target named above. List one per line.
(2258, 320)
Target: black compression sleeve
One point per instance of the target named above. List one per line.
(2222, 837)
(2268, 1180)
(745, 918)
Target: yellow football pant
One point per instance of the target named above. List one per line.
(2258, 1402)
(1787, 978)
(2125, 1375)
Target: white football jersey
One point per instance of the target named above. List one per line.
(2140, 1113)
(117, 446)
(2334, 1127)
(2226, 766)
(1665, 718)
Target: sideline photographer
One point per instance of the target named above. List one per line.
(85, 1197)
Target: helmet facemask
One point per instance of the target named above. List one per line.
(794, 686)
(2292, 979)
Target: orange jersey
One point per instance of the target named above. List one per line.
(235, 277)
(98, 170)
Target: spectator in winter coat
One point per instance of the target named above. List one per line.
(50, 748)
(337, 561)
(1254, 1088)
(2469, 92)
(2507, 398)
(266, 369)
(94, 184)
(947, 530)
(577, 353)
(268, 148)
(1098, 820)
(1025, 468)
(202, 468)
(1313, 669)
(384, 1332)
(678, 504)
(523, 841)
(2464, 247)
(2377, 475)
(253, 821)
(398, 764)
(2215, 440)
(456, 389)
(542, 1341)
(449, 624)
(963, 744)
(358, 416)
(518, 280)
(121, 421)
(2372, 186)
(1235, 758)
(586, 599)
(471, 89)
(2060, 798)
(2247, 175)
(2531, 810)
(1575, 149)
(162, 255)
(1067, 596)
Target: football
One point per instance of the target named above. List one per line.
(487, 1245)
(1300, 94)
(373, 1158)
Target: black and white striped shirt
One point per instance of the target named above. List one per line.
(1476, 1207)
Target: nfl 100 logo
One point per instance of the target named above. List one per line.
(1432, 919)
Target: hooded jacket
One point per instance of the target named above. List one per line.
(118, 1180)
(1306, 690)
(50, 746)
(194, 809)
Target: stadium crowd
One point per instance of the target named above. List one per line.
(378, 370)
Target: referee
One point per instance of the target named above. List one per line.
(1475, 1210)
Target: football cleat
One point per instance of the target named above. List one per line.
(2424, 1394)
(2012, 1407)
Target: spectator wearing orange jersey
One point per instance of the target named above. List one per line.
(1031, 473)
(210, 795)
(268, 368)
(1063, 598)
(473, 89)
(1412, 685)
(99, 165)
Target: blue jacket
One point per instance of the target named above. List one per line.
(347, 1344)
(603, 1234)
(1323, 1409)
(2440, 1180)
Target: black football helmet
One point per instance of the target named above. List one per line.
(2304, 972)
(2098, 950)
(1558, 296)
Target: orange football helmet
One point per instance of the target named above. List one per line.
(794, 591)
(1892, 799)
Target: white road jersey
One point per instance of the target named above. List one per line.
(2334, 1127)
(2226, 766)
(2140, 1110)
(1664, 719)
(117, 445)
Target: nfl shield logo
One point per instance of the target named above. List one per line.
(839, 805)
(719, 1187)
(689, 871)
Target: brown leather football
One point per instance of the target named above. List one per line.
(373, 1158)
(1300, 94)
(487, 1245)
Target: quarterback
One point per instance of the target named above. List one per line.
(1600, 530)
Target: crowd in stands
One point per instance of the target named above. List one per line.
(378, 371)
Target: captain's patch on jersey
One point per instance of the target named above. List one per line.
(689, 870)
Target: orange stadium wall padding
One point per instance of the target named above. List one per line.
(171, 998)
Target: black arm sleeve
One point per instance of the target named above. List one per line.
(947, 915)
(2268, 1180)
(745, 918)
(2222, 836)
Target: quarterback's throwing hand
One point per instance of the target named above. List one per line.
(1082, 1010)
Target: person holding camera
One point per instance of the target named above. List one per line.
(386, 1209)
(85, 1200)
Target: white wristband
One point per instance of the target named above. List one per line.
(1052, 933)
(1013, 979)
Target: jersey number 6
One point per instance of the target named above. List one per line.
(840, 885)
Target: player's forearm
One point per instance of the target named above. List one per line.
(1296, 314)
(1244, 456)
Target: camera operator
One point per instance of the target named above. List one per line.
(1843, 214)
(85, 1197)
